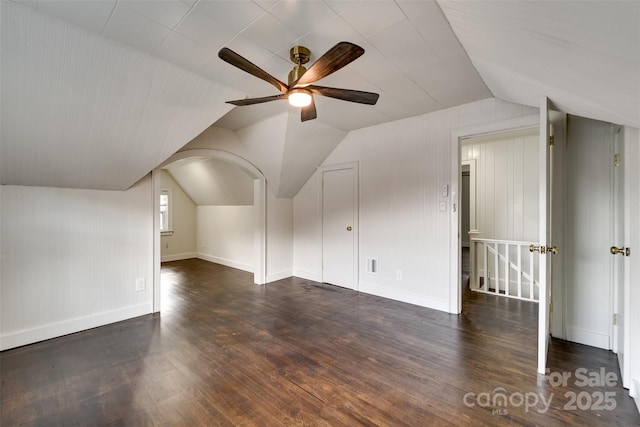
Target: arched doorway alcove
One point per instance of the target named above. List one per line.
(259, 246)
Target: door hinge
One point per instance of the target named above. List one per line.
(551, 140)
(615, 319)
(616, 160)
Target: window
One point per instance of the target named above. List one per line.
(165, 211)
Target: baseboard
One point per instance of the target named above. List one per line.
(279, 276)
(178, 257)
(404, 297)
(308, 275)
(635, 392)
(53, 330)
(227, 262)
(591, 338)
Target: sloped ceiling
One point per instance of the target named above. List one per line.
(97, 93)
(284, 150)
(79, 111)
(210, 181)
(583, 55)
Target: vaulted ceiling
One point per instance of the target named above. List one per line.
(97, 93)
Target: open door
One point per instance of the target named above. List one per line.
(618, 248)
(545, 247)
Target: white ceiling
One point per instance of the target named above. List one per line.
(583, 55)
(212, 181)
(409, 49)
(97, 93)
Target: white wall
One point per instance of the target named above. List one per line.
(181, 244)
(70, 259)
(279, 237)
(403, 166)
(307, 226)
(506, 186)
(226, 235)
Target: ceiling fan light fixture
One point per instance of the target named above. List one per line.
(300, 98)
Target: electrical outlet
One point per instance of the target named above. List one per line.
(398, 274)
(140, 284)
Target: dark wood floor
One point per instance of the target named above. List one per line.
(296, 353)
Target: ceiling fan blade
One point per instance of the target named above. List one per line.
(236, 60)
(308, 112)
(335, 58)
(358, 96)
(251, 101)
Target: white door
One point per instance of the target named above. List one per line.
(545, 246)
(618, 251)
(339, 226)
(589, 264)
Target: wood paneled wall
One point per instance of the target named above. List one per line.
(71, 258)
(506, 186)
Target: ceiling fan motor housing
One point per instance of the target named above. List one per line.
(299, 55)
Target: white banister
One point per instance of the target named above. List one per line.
(502, 267)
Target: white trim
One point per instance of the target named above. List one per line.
(178, 257)
(226, 262)
(260, 237)
(54, 330)
(587, 337)
(157, 253)
(308, 275)
(406, 297)
(279, 276)
(472, 192)
(634, 392)
(234, 159)
(356, 214)
(457, 135)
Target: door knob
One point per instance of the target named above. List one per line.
(537, 248)
(553, 249)
(544, 249)
(349, 228)
(622, 251)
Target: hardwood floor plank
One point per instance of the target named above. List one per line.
(298, 353)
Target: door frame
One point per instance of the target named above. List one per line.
(472, 193)
(455, 241)
(356, 215)
(260, 194)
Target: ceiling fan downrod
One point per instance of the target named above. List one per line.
(299, 55)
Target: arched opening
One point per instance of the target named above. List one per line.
(259, 203)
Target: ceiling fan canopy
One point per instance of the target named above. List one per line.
(300, 89)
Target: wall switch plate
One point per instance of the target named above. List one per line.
(140, 284)
(444, 191)
(443, 206)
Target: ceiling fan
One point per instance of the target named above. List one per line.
(299, 90)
